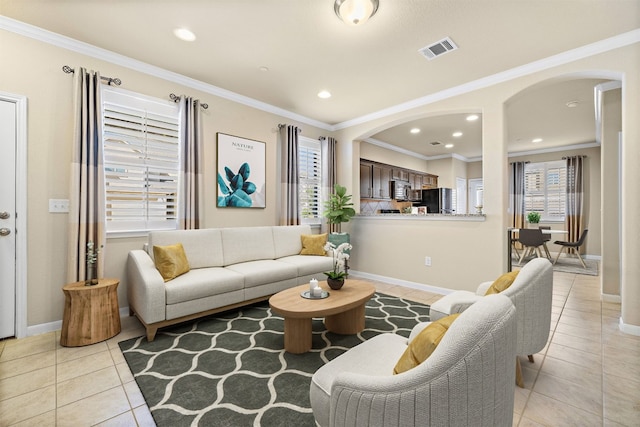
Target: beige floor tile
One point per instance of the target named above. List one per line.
(588, 399)
(28, 405)
(572, 372)
(124, 372)
(123, 420)
(527, 422)
(29, 346)
(48, 419)
(143, 416)
(94, 409)
(65, 354)
(591, 361)
(627, 343)
(622, 400)
(84, 365)
(581, 314)
(586, 306)
(83, 386)
(578, 331)
(588, 345)
(520, 399)
(27, 382)
(551, 412)
(594, 324)
(27, 364)
(621, 364)
(134, 394)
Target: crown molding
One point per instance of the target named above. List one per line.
(555, 149)
(598, 47)
(83, 48)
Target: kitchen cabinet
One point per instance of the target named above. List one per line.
(430, 181)
(416, 181)
(381, 177)
(366, 182)
(400, 174)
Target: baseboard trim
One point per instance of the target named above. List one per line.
(616, 299)
(44, 328)
(399, 282)
(629, 329)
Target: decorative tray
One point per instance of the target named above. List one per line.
(307, 295)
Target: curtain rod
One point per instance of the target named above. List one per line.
(281, 125)
(109, 80)
(584, 156)
(176, 98)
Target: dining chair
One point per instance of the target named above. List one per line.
(531, 239)
(546, 238)
(572, 245)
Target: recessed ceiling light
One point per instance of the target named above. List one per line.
(263, 68)
(472, 117)
(415, 130)
(448, 146)
(324, 94)
(184, 34)
(572, 104)
(457, 134)
(536, 140)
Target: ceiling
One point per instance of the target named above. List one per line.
(283, 52)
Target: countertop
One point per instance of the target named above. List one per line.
(427, 217)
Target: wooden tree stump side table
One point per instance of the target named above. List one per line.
(91, 313)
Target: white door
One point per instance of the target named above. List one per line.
(461, 191)
(475, 185)
(8, 117)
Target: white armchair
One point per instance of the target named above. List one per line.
(467, 380)
(531, 293)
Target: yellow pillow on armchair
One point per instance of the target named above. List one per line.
(171, 261)
(424, 344)
(313, 244)
(502, 282)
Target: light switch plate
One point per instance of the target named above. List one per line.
(59, 205)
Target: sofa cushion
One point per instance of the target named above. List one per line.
(170, 261)
(201, 283)
(243, 244)
(287, 239)
(313, 244)
(421, 347)
(502, 282)
(203, 247)
(309, 265)
(261, 272)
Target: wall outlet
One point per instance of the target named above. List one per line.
(58, 205)
(427, 261)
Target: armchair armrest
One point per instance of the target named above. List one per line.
(455, 302)
(145, 287)
(483, 287)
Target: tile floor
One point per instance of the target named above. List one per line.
(588, 375)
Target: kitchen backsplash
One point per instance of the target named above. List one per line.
(368, 207)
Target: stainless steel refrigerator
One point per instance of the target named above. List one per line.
(437, 200)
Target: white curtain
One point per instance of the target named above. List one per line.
(190, 203)
(87, 191)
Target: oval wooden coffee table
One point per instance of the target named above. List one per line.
(343, 312)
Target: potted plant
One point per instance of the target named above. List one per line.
(338, 208)
(335, 277)
(533, 217)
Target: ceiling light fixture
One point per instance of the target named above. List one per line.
(536, 140)
(355, 12)
(448, 146)
(184, 34)
(324, 94)
(472, 117)
(573, 104)
(415, 130)
(457, 134)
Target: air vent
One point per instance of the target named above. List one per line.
(434, 143)
(440, 48)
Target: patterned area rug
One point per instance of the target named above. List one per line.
(231, 370)
(566, 265)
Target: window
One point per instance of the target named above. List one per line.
(545, 187)
(309, 168)
(141, 138)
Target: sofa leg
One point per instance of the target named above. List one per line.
(151, 333)
(519, 380)
(531, 358)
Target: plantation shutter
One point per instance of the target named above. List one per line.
(309, 168)
(534, 188)
(556, 192)
(142, 153)
(545, 189)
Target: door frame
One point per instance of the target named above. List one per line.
(21, 211)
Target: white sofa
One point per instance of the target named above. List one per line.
(229, 267)
(467, 380)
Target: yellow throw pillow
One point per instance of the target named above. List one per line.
(425, 343)
(171, 261)
(313, 244)
(502, 283)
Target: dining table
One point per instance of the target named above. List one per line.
(513, 230)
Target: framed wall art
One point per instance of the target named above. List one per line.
(241, 172)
